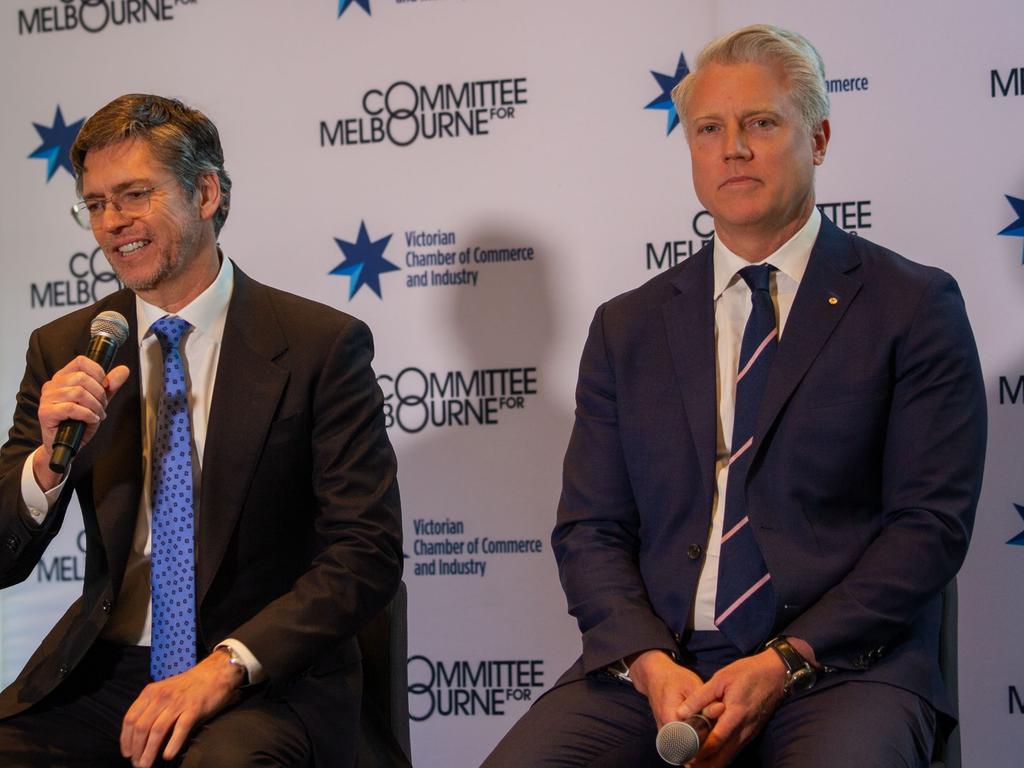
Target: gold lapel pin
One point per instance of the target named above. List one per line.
(833, 300)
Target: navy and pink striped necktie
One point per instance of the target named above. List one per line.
(745, 601)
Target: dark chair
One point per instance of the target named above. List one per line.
(384, 734)
(947, 746)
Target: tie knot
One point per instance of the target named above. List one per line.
(756, 276)
(169, 330)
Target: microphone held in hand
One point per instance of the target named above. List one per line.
(109, 331)
(679, 742)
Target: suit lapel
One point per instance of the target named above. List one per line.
(118, 470)
(690, 325)
(826, 292)
(246, 394)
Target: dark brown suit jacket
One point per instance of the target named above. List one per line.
(298, 533)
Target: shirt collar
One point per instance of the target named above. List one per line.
(790, 259)
(206, 312)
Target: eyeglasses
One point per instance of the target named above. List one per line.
(132, 203)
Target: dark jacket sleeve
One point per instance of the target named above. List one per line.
(22, 540)
(358, 554)
(932, 460)
(597, 539)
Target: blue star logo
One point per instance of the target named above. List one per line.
(1017, 228)
(667, 83)
(364, 262)
(1019, 538)
(344, 5)
(56, 146)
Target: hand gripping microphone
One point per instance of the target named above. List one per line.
(679, 742)
(109, 331)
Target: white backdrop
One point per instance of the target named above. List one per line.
(554, 151)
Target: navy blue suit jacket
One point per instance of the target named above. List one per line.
(862, 489)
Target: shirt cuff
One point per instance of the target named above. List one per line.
(36, 499)
(252, 665)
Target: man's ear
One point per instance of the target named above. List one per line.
(819, 139)
(208, 189)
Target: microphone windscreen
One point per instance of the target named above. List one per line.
(678, 742)
(110, 324)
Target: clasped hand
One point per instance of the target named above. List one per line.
(739, 699)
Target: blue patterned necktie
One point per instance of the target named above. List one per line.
(745, 601)
(172, 569)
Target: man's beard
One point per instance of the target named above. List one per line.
(165, 269)
(169, 264)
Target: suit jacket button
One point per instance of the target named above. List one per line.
(62, 670)
(107, 606)
(12, 542)
(694, 551)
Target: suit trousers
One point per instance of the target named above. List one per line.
(603, 722)
(79, 723)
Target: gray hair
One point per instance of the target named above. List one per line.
(182, 138)
(770, 45)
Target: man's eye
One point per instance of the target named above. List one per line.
(761, 122)
(94, 206)
(707, 129)
(134, 195)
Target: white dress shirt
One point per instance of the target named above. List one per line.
(732, 308)
(130, 622)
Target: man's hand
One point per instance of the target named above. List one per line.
(80, 391)
(665, 684)
(175, 706)
(742, 697)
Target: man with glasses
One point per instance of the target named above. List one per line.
(236, 482)
(133, 203)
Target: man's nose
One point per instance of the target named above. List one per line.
(112, 219)
(736, 147)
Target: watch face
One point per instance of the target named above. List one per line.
(803, 679)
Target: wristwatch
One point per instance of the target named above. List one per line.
(800, 675)
(235, 661)
(620, 670)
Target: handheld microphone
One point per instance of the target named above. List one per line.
(109, 331)
(679, 742)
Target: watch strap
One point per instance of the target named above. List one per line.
(235, 660)
(620, 669)
(800, 675)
